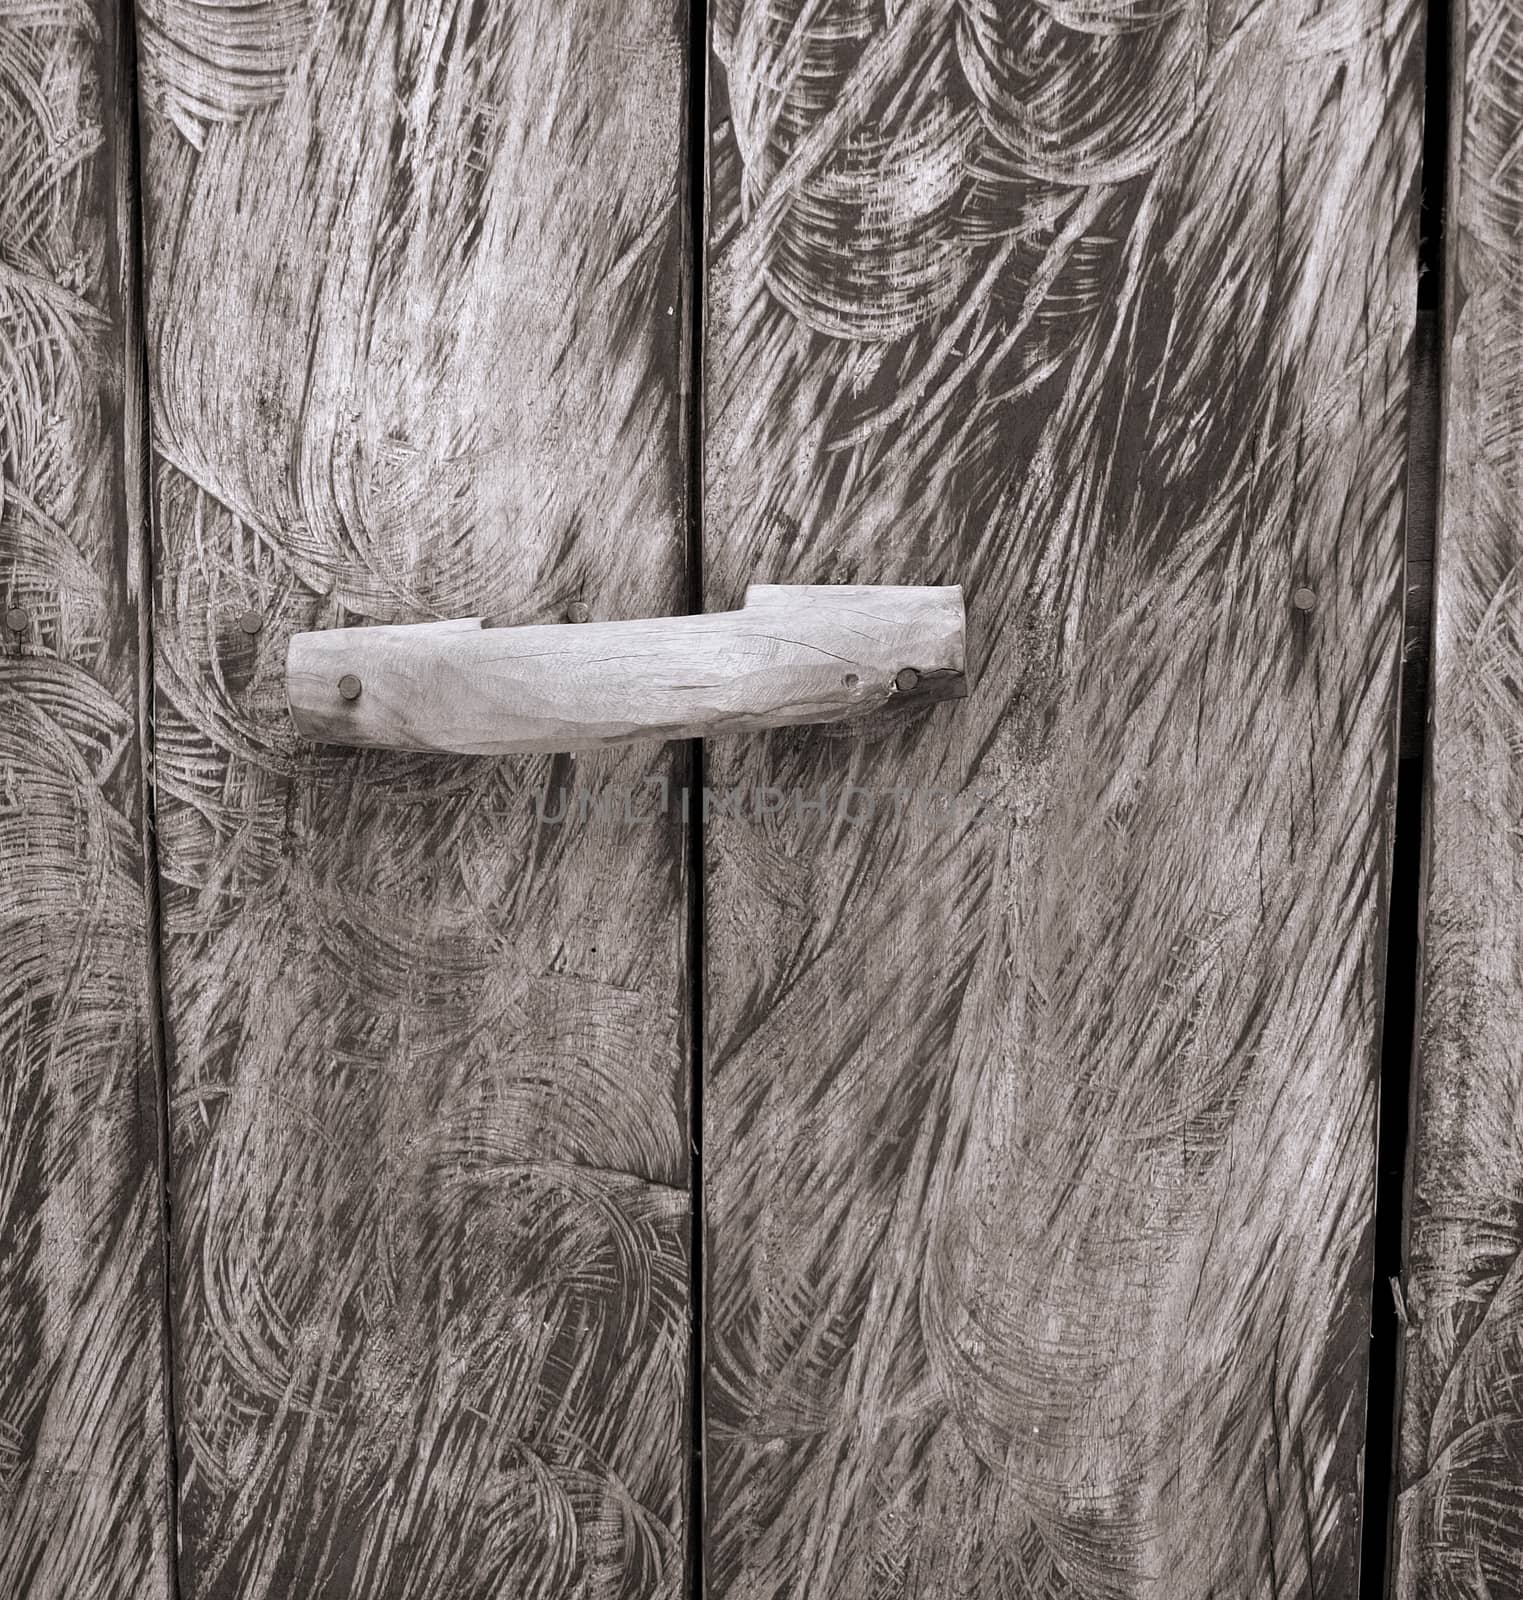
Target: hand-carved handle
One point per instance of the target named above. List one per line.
(791, 655)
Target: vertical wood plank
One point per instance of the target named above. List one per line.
(1041, 1067)
(1461, 1465)
(84, 1513)
(415, 283)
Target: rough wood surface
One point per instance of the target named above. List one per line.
(1461, 1472)
(415, 287)
(1039, 1114)
(1422, 508)
(792, 654)
(84, 1513)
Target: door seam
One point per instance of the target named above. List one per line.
(1401, 999)
(692, 812)
(138, 424)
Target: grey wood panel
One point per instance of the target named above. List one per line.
(1039, 1113)
(84, 1510)
(415, 286)
(1461, 1462)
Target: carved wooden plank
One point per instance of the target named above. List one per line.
(1039, 1113)
(1461, 1467)
(84, 1511)
(415, 283)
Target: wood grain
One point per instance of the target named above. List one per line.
(1039, 1108)
(792, 654)
(415, 286)
(84, 1512)
(1461, 1466)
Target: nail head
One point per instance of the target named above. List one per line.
(851, 680)
(251, 621)
(905, 679)
(18, 619)
(1304, 599)
(579, 611)
(349, 686)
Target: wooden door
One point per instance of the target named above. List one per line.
(84, 1507)
(346, 1139)
(415, 293)
(1041, 1062)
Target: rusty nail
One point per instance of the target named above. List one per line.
(1304, 599)
(905, 679)
(349, 686)
(18, 619)
(251, 621)
(579, 611)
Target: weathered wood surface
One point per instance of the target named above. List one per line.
(1039, 1120)
(415, 282)
(791, 654)
(1461, 1468)
(84, 1513)
(1422, 511)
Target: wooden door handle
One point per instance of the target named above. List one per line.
(792, 654)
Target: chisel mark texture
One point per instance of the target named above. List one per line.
(83, 1501)
(1040, 1112)
(414, 291)
(1461, 1506)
